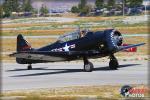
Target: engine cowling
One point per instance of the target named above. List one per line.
(114, 39)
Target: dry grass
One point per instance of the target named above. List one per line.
(33, 24)
(10, 44)
(54, 23)
(73, 93)
(123, 29)
(132, 30)
(35, 32)
(98, 18)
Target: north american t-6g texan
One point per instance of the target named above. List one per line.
(75, 45)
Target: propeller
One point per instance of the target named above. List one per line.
(114, 39)
(117, 38)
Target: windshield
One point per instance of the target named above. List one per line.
(69, 36)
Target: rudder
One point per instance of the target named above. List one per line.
(22, 44)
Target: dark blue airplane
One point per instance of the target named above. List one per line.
(74, 46)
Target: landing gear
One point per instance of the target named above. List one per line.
(29, 67)
(113, 64)
(88, 66)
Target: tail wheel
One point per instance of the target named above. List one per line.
(113, 64)
(29, 67)
(88, 67)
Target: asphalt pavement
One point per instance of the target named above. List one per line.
(62, 74)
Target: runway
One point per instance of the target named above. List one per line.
(51, 75)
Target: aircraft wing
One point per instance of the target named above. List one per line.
(63, 55)
(52, 55)
(129, 46)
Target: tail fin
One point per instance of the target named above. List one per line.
(22, 44)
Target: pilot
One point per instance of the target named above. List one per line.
(82, 33)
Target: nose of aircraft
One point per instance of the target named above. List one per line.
(113, 39)
(117, 38)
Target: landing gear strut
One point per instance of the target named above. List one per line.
(88, 66)
(113, 64)
(29, 67)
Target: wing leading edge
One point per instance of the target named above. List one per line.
(129, 46)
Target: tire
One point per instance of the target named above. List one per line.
(29, 67)
(88, 67)
(113, 64)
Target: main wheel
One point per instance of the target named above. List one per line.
(88, 67)
(29, 67)
(113, 64)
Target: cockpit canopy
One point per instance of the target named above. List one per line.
(69, 36)
(72, 35)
